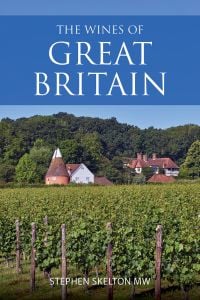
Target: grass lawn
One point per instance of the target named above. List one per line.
(13, 286)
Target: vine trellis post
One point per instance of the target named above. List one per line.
(158, 262)
(18, 248)
(33, 256)
(63, 261)
(109, 264)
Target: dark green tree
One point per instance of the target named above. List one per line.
(147, 172)
(191, 166)
(113, 174)
(41, 154)
(26, 170)
(7, 172)
(92, 150)
(71, 151)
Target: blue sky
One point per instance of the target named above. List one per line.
(141, 116)
(101, 7)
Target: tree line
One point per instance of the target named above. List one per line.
(27, 144)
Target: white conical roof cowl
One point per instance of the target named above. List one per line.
(57, 154)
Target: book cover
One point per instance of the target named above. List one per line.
(99, 150)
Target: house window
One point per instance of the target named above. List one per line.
(87, 179)
(76, 178)
(155, 169)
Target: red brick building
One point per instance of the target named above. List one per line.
(169, 167)
(57, 172)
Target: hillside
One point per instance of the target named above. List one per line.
(101, 144)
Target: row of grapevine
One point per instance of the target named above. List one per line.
(86, 248)
(134, 213)
(42, 254)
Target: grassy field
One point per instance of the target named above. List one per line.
(15, 287)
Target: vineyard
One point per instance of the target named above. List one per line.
(134, 213)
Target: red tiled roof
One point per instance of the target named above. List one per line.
(138, 163)
(102, 181)
(164, 162)
(161, 178)
(141, 164)
(132, 164)
(72, 167)
(57, 168)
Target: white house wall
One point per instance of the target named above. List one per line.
(169, 172)
(82, 175)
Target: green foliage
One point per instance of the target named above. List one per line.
(135, 211)
(181, 247)
(7, 237)
(115, 171)
(7, 172)
(14, 150)
(91, 141)
(86, 245)
(112, 173)
(41, 154)
(71, 151)
(48, 247)
(25, 231)
(133, 254)
(147, 172)
(191, 166)
(26, 170)
(139, 179)
(184, 173)
(92, 150)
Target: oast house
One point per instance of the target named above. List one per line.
(63, 174)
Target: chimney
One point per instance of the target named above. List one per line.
(154, 156)
(139, 155)
(145, 157)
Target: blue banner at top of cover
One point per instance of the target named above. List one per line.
(99, 60)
